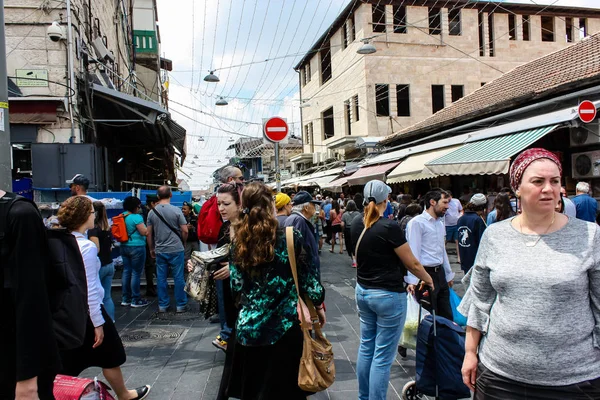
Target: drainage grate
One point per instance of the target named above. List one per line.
(156, 335)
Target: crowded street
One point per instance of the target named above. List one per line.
(174, 354)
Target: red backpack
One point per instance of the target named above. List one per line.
(209, 222)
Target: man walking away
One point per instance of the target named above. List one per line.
(470, 230)
(28, 351)
(167, 233)
(455, 210)
(585, 205)
(425, 235)
(150, 266)
(570, 209)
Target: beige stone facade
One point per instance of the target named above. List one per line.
(419, 60)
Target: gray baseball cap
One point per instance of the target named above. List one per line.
(478, 199)
(376, 191)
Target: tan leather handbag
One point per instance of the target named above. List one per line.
(317, 370)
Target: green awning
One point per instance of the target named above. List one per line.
(486, 157)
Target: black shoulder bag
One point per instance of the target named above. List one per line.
(175, 231)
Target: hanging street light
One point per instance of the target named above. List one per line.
(211, 77)
(367, 47)
(221, 102)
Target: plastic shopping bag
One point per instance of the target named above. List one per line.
(454, 302)
(411, 325)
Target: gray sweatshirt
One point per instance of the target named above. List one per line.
(538, 307)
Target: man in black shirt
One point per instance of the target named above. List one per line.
(28, 351)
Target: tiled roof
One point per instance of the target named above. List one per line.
(575, 66)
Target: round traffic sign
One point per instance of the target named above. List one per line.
(586, 111)
(275, 129)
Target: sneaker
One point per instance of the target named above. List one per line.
(125, 303)
(353, 264)
(142, 392)
(220, 344)
(163, 309)
(402, 351)
(182, 309)
(139, 303)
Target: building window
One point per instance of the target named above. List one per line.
(348, 117)
(378, 15)
(345, 35)
(328, 123)
(355, 105)
(435, 21)
(437, 98)
(454, 23)
(569, 29)
(382, 100)
(325, 64)
(352, 29)
(526, 26)
(512, 27)
(303, 77)
(400, 19)
(547, 29)
(491, 35)
(307, 72)
(307, 133)
(583, 31)
(403, 100)
(481, 35)
(458, 92)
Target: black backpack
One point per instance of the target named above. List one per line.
(65, 277)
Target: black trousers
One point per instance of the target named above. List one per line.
(491, 386)
(441, 292)
(328, 229)
(150, 269)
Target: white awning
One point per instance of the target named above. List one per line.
(413, 168)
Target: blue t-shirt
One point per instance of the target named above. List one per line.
(131, 222)
(327, 208)
(389, 210)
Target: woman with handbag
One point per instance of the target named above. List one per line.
(102, 346)
(382, 255)
(269, 337)
(534, 295)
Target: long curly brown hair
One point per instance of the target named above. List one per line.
(74, 212)
(256, 231)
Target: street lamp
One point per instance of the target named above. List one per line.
(367, 47)
(221, 101)
(211, 77)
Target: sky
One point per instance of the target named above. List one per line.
(235, 37)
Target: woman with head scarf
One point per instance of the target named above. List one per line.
(534, 297)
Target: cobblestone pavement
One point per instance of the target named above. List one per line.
(174, 354)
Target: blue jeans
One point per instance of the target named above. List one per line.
(174, 262)
(225, 329)
(106, 276)
(382, 314)
(134, 260)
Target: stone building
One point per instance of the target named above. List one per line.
(86, 93)
(428, 55)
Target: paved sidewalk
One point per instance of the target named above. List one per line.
(174, 354)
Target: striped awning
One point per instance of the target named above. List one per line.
(487, 157)
(413, 168)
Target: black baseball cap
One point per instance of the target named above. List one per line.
(304, 197)
(79, 179)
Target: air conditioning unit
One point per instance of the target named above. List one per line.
(586, 165)
(585, 134)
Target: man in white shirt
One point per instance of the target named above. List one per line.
(425, 234)
(455, 210)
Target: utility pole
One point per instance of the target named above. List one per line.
(5, 148)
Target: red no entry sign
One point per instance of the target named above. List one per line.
(586, 111)
(275, 129)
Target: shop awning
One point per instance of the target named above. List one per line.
(413, 168)
(35, 109)
(336, 185)
(368, 173)
(486, 157)
(320, 182)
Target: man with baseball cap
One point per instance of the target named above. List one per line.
(303, 209)
(470, 230)
(283, 204)
(79, 185)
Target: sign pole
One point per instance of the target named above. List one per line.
(277, 169)
(5, 148)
